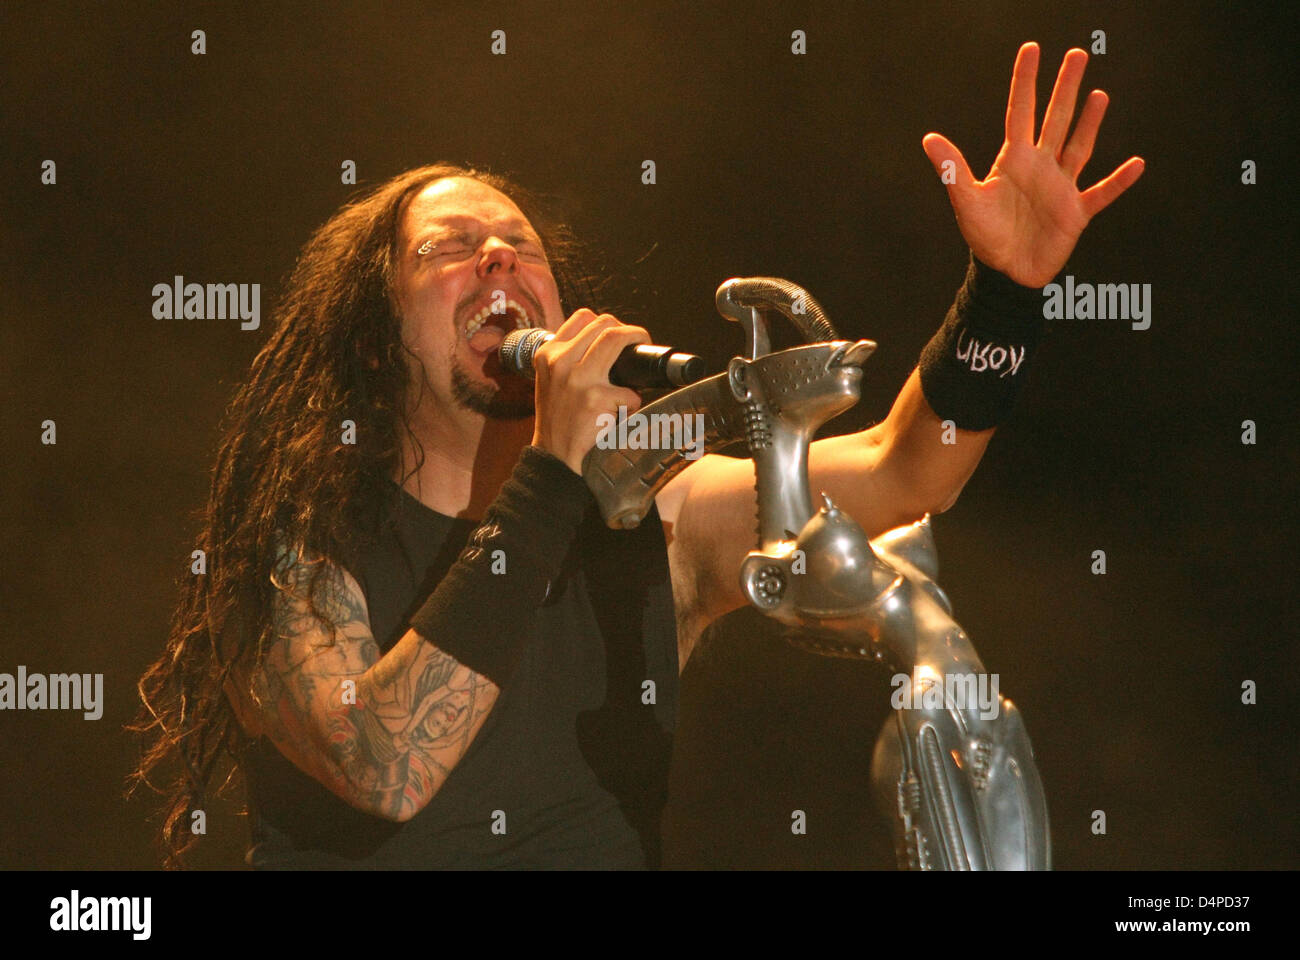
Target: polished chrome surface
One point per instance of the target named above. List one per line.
(961, 787)
(808, 384)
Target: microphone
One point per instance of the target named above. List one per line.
(640, 366)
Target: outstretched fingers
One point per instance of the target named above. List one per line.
(1021, 103)
(1078, 151)
(1060, 109)
(949, 163)
(1102, 194)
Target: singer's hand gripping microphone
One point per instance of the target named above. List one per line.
(639, 366)
(953, 771)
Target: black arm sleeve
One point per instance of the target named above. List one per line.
(482, 613)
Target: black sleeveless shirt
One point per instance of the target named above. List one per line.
(571, 755)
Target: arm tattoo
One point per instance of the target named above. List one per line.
(382, 732)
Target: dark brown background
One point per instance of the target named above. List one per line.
(217, 167)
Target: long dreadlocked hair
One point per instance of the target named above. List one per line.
(282, 476)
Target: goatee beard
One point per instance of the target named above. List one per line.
(491, 401)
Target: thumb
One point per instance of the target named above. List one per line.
(949, 164)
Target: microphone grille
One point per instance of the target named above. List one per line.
(519, 347)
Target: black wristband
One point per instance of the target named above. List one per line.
(972, 370)
(483, 611)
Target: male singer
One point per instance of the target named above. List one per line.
(419, 641)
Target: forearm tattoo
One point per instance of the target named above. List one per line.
(382, 732)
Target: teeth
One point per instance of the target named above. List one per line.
(512, 307)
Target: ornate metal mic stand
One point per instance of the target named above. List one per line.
(956, 778)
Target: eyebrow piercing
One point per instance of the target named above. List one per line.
(425, 247)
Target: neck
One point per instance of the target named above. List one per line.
(466, 460)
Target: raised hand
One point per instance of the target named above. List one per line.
(1025, 217)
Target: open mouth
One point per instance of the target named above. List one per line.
(486, 329)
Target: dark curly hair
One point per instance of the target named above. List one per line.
(282, 476)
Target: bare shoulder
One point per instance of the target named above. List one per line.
(708, 515)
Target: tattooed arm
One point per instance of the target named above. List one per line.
(381, 732)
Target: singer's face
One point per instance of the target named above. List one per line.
(471, 269)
